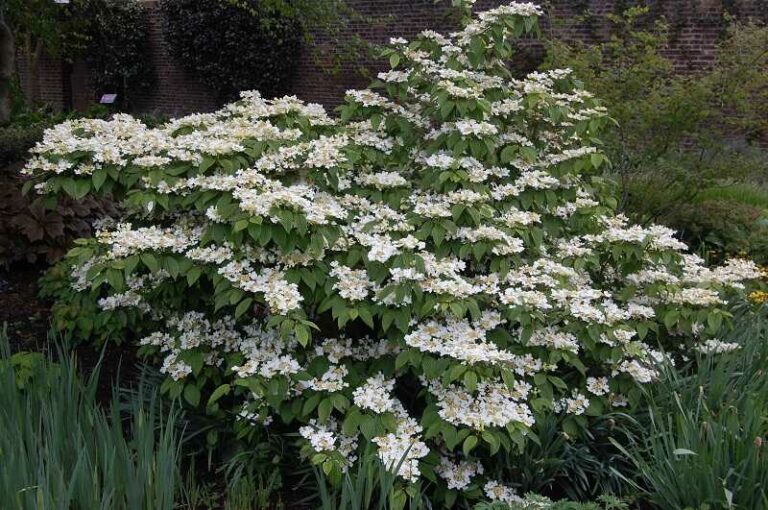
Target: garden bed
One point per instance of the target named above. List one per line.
(432, 299)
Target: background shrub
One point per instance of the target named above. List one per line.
(117, 49)
(722, 227)
(16, 140)
(110, 35)
(230, 48)
(680, 135)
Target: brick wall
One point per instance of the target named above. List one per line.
(176, 92)
(50, 86)
(695, 25)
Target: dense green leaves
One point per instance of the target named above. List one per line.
(232, 49)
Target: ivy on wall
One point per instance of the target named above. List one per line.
(118, 50)
(232, 49)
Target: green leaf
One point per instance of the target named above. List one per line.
(339, 401)
(715, 321)
(150, 261)
(172, 266)
(310, 404)
(115, 279)
(218, 393)
(69, 186)
(368, 426)
(243, 307)
(26, 187)
(349, 426)
(469, 443)
(193, 275)
(206, 163)
(570, 427)
(324, 410)
(670, 319)
(446, 108)
(99, 176)
(508, 154)
(490, 438)
(82, 187)
(470, 380)
(192, 394)
(399, 499)
(195, 360)
(302, 335)
(240, 225)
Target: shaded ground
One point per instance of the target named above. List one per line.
(28, 322)
(25, 316)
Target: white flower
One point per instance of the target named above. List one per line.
(598, 385)
(715, 346)
(474, 128)
(352, 284)
(495, 491)
(494, 405)
(576, 404)
(375, 394)
(458, 475)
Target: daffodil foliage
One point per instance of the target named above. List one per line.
(427, 271)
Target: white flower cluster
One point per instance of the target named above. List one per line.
(598, 385)
(496, 491)
(327, 438)
(133, 296)
(576, 404)
(401, 450)
(401, 453)
(352, 284)
(458, 475)
(125, 240)
(715, 346)
(492, 405)
(281, 296)
(375, 394)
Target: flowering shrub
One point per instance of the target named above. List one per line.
(428, 272)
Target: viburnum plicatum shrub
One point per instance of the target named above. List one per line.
(424, 274)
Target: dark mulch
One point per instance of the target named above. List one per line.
(26, 317)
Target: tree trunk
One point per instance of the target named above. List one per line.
(7, 68)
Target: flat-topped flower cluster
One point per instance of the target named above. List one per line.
(430, 270)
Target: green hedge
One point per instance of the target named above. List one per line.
(231, 48)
